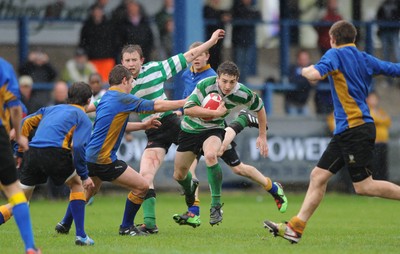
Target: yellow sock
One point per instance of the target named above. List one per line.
(5, 212)
(297, 225)
(17, 198)
(268, 186)
(135, 199)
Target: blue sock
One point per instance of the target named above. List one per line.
(68, 218)
(23, 220)
(77, 208)
(195, 210)
(274, 189)
(129, 213)
(1, 219)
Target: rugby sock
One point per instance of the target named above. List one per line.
(195, 208)
(214, 175)
(77, 207)
(22, 217)
(270, 186)
(5, 214)
(132, 205)
(149, 209)
(297, 224)
(68, 218)
(186, 183)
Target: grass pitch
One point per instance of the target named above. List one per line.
(342, 224)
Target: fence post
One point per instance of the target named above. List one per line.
(23, 33)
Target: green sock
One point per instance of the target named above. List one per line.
(187, 183)
(214, 175)
(149, 212)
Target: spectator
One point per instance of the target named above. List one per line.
(382, 124)
(167, 40)
(96, 38)
(244, 37)
(163, 16)
(329, 15)
(98, 91)
(38, 67)
(42, 72)
(218, 19)
(389, 11)
(296, 100)
(25, 88)
(59, 93)
(134, 29)
(54, 10)
(78, 68)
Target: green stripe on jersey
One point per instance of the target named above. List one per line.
(240, 96)
(150, 82)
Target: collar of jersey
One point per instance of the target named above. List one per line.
(114, 88)
(347, 45)
(208, 66)
(78, 106)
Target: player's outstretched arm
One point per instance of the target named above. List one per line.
(311, 74)
(230, 134)
(91, 108)
(198, 111)
(165, 105)
(149, 124)
(195, 52)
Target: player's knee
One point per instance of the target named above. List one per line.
(211, 158)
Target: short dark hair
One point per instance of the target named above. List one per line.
(343, 32)
(117, 74)
(228, 67)
(79, 93)
(130, 48)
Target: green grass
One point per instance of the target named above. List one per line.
(342, 224)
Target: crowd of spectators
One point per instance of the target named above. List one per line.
(105, 31)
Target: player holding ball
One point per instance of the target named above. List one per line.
(205, 136)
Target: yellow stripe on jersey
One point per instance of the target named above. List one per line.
(67, 140)
(350, 106)
(112, 136)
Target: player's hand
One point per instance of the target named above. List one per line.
(152, 123)
(262, 145)
(221, 110)
(12, 134)
(221, 150)
(217, 35)
(88, 183)
(18, 162)
(23, 143)
(178, 112)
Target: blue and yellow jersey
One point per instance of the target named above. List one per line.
(112, 114)
(9, 91)
(191, 78)
(350, 74)
(62, 126)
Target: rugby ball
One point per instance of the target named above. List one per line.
(211, 101)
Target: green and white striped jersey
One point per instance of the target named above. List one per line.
(150, 82)
(240, 96)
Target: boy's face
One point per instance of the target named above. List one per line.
(200, 61)
(226, 83)
(133, 62)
